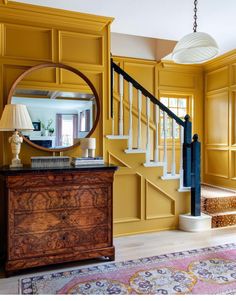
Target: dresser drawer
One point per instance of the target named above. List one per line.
(33, 199)
(60, 219)
(52, 179)
(64, 241)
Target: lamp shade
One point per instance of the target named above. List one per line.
(15, 117)
(195, 48)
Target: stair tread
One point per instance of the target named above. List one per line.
(118, 137)
(134, 151)
(210, 192)
(170, 177)
(223, 213)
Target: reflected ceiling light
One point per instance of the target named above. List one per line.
(196, 47)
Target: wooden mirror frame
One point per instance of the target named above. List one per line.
(72, 69)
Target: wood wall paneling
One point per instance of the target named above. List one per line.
(143, 73)
(28, 42)
(127, 206)
(233, 72)
(217, 119)
(233, 120)
(220, 114)
(158, 203)
(217, 79)
(233, 166)
(176, 79)
(80, 48)
(82, 41)
(217, 162)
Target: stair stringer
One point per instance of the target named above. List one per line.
(136, 190)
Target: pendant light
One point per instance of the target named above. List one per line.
(196, 47)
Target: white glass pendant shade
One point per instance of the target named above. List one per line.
(195, 48)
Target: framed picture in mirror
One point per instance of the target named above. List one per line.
(37, 126)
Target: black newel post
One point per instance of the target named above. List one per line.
(196, 177)
(187, 151)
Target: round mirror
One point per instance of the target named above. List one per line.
(62, 103)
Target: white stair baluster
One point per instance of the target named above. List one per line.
(112, 109)
(148, 131)
(130, 141)
(173, 165)
(156, 152)
(165, 144)
(139, 119)
(121, 92)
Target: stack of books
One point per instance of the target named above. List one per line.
(76, 161)
(50, 161)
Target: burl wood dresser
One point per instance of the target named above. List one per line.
(55, 215)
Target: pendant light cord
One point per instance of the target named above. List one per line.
(195, 16)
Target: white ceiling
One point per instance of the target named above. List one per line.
(164, 19)
(48, 104)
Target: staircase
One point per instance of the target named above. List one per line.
(163, 142)
(219, 203)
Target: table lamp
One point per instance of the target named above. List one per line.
(15, 117)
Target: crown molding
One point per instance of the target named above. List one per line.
(51, 16)
(183, 67)
(221, 60)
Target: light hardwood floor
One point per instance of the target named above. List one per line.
(136, 246)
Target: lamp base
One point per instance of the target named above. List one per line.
(15, 141)
(16, 163)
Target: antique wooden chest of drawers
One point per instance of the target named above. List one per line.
(56, 215)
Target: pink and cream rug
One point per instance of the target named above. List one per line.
(200, 271)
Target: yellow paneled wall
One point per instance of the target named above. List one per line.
(31, 35)
(142, 201)
(220, 121)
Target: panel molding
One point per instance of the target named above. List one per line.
(77, 35)
(222, 95)
(120, 161)
(139, 201)
(216, 79)
(28, 13)
(166, 195)
(207, 172)
(25, 28)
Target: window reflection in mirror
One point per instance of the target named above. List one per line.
(60, 118)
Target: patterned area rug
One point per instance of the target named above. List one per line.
(200, 271)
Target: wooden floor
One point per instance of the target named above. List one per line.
(136, 246)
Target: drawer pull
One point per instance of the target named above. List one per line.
(63, 217)
(63, 238)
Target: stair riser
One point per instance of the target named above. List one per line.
(223, 220)
(219, 205)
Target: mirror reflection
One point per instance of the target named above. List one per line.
(60, 116)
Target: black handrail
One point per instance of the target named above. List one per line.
(145, 92)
